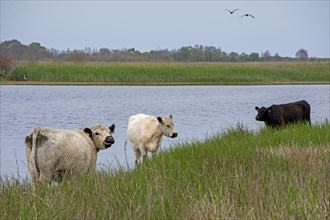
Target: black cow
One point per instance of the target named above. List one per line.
(280, 115)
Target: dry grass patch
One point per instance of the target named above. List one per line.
(315, 157)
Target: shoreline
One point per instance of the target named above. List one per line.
(157, 83)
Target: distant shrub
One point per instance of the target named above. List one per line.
(17, 74)
(6, 64)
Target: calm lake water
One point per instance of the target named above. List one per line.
(198, 112)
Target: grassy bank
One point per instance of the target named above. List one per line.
(173, 73)
(238, 174)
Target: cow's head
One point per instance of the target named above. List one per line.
(101, 136)
(263, 113)
(167, 126)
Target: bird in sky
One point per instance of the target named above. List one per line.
(247, 15)
(231, 12)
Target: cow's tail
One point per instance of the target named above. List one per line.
(34, 170)
(126, 154)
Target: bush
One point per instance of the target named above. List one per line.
(6, 63)
(17, 74)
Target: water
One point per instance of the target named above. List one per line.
(198, 112)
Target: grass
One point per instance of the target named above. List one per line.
(174, 73)
(236, 174)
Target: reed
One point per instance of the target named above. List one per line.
(235, 174)
(177, 73)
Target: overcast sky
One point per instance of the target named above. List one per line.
(281, 27)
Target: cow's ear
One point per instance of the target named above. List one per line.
(257, 108)
(171, 116)
(112, 128)
(269, 109)
(160, 119)
(88, 131)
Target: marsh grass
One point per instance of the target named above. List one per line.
(178, 73)
(236, 174)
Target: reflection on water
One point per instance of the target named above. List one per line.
(198, 112)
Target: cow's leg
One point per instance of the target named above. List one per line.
(153, 148)
(145, 156)
(45, 177)
(137, 154)
(59, 175)
(144, 152)
(155, 151)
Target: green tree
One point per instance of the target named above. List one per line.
(254, 57)
(302, 54)
(233, 57)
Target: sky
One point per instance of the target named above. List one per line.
(281, 27)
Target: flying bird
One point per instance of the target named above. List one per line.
(247, 15)
(231, 12)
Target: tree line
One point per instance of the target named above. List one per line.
(198, 53)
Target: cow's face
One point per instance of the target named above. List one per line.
(167, 126)
(263, 113)
(101, 136)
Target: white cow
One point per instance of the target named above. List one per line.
(145, 132)
(53, 154)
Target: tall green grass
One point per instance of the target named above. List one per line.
(237, 174)
(185, 73)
